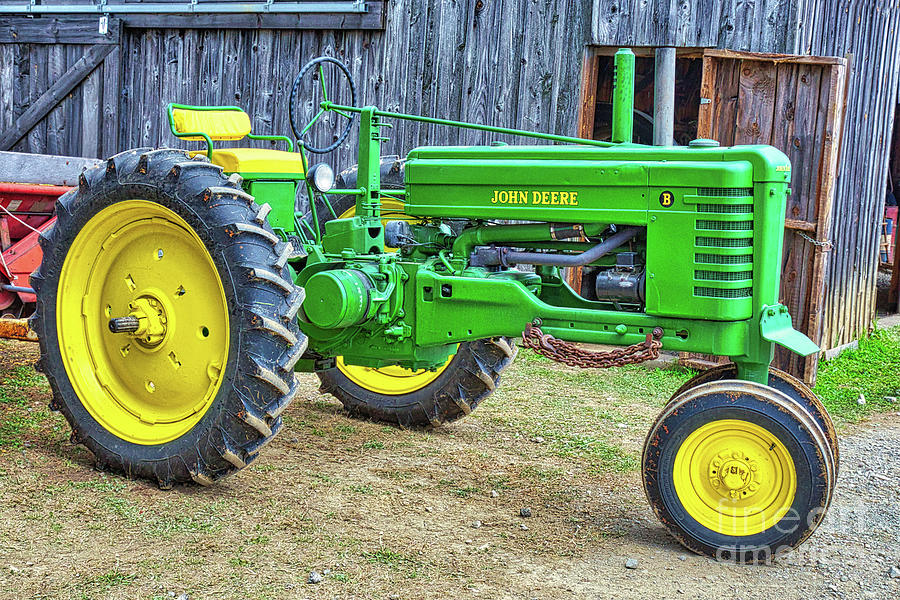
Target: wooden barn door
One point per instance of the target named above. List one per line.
(794, 103)
(60, 85)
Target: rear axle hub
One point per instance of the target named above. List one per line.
(146, 323)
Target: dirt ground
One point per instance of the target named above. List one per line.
(386, 513)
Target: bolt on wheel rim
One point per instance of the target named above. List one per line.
(735, 477)
(153, 384)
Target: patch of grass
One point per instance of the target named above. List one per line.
(373, 445)
(112, 578)
(161, 522)
(534, 472)
(575, 413)
(345, 431)
(391, 558)
(630, 383)
(15, 423)
(360, 489)
(205, 520)
(16, 381)
(17, 412)
(872, 369)
(609, 457)
(121, 507)
(458, 490)
(464, 492)
(101, 484)
(323, 477)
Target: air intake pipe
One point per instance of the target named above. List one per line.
(505, 256)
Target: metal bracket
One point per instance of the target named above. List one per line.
(775, 326)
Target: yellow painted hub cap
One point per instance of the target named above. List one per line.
(392, 380)
(735, 477)
(137, 258)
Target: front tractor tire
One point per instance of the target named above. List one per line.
(738, 471)
(421, 398)
(180, 261)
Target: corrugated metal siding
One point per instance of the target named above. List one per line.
(870, 31)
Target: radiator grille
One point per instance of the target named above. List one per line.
(723, 276)
(725, 225)
(726, 209)
(719, 259)
(711, 242)
(709, 292)
(725, 192)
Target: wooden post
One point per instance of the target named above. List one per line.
(664, 97)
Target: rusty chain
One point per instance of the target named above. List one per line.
(570, 354)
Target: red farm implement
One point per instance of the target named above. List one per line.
(29, 187)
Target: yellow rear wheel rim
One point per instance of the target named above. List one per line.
(735, 477)
(140, 258)
(391, 380)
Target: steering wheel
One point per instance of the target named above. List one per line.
(314, 68)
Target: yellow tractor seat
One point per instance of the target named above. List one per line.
(256, 160)
(208, 123)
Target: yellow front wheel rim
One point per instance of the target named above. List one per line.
(139, 258)
(391, 380)
(735, 477)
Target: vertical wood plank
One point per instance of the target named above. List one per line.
(833, 88)
(589, 94)
(90, 108)
(756, 102)
(7, 81)
(708, 97)
(110, 115)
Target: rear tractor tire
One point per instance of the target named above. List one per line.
(180, 262)
(397, 395)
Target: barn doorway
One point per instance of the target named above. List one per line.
(596, 119)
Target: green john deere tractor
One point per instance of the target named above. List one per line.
(181, 290)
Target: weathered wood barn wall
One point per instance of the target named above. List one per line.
(509, 62)
(750, 25)
(503, 62)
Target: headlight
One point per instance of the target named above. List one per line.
(321, 176)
